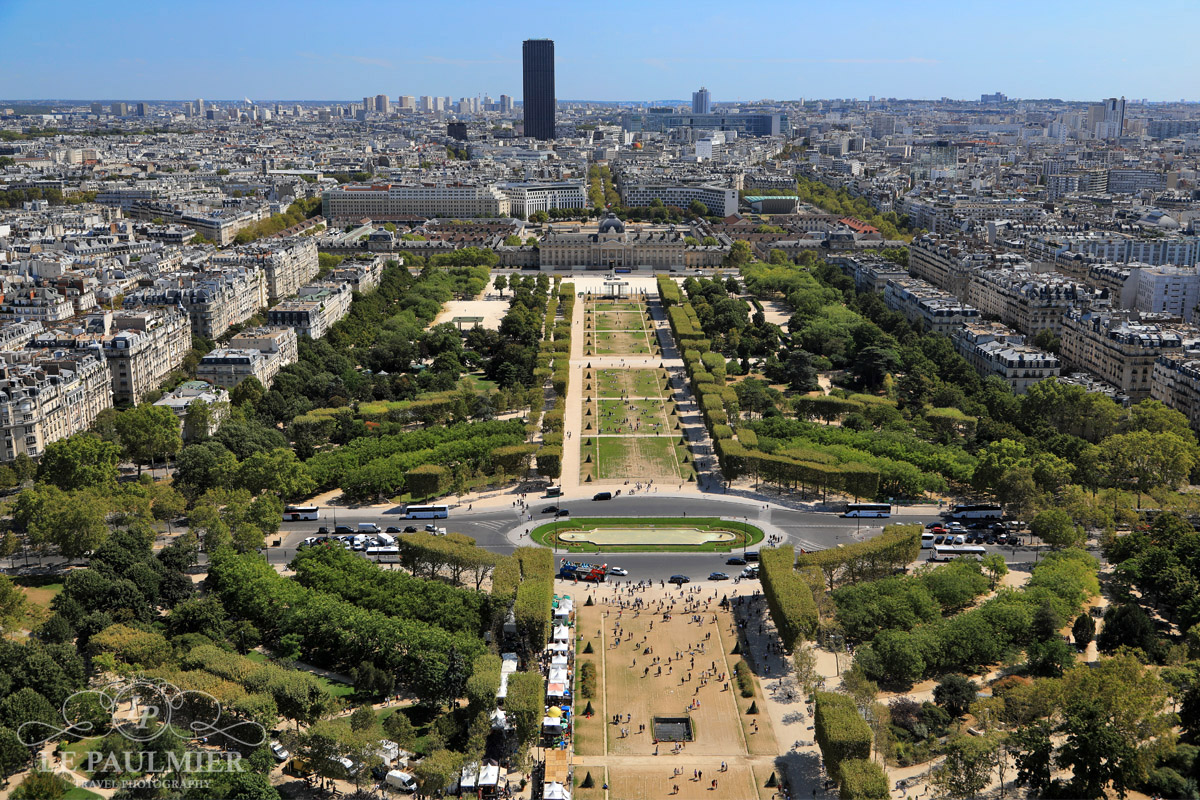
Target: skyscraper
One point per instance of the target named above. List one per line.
(538, 96)
(701, 102)
(383, 103)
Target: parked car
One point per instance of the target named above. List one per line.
(279, 752)
(410, 528)
(679, 580)
(393, 529)
(343, 529)
(933, 525)
(736, 561)
(718, 576)
(750, 572)
(619, 571)
(563, 512)
(939, 539)
(323, 530)
(431, 528)
(959, 539)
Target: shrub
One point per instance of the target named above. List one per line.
(789, 598)
(588, 679)
(860, 779)
(841, 733)
(744, 678)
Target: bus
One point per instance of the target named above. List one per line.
(926, 541)
(984, 511)
(944, 553)
(294, 513)
(426, 512)
(553, 491)
(868, 510)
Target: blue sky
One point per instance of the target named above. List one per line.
(616, 50)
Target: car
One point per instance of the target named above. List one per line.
(989, 539)
(750, 571)
(279, 752)
(343, 529)
(939, 539)
(1002, 539)
(602, 496)
(392, 529)
(736, 561)
(959, 539)
(718, 576)
(679, 580)
(550, 510)
(931, 525)
(563, 512)
(978, 525)
(956, 526)
(410, 528)
(620, 571)
(323, 530)
(431, 528)
(969, 538)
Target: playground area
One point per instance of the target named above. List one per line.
(624, 534)
(665, 665)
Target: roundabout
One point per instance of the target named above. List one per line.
(632, 535)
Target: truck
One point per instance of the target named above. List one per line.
(581, 571)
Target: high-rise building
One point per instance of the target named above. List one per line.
(426, 103)
(368, 104)
(701, 102)
(407, 102)
(538, 95)
(200, 108)
(120, 109)
(1107, 119)
(383, 104)
(141, 109)
(98, 109)
(506, 104)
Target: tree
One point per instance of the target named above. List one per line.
(967, 769)
(1050, 657)
(1034, 756)
(1083, 630)
(739, 255)
(80, 461)
(12, 603)
(400, 729)
(437, 771)
(1127, 625)
(1142, 460)
(197, 420)
(500, 283)
(698, 209)
(148, 433)
(249, 390)
(204, 466)
(955, 693)
(994, 566)
(13, 754)
(1056, 528)
(276, 471)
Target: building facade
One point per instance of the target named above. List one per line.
(146, 346)
(46, 396)
(1121, 349)
(398, 202)
(995, 349)
(538, 99)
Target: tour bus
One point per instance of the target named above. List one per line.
(984, 511)
(554, 491)
(868, 510)
(943, 553)
(294, 513)
(926, 541)
(426, 512)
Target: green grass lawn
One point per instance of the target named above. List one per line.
(80, 793)
(638, 416)
(618, 343)
(619, 321)
(748, 535)
(631, 382)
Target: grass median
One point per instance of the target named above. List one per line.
(550, 534)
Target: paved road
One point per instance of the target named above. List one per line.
(491, 528)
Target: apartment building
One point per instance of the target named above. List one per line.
(15, 335)
(1117, 248)
(995, 349)
(214, 300)
(1167, 289)
(529, 198)
(361, 273)
(720, 201)
(258, 353)
(869, 274)
(1026, 301)
(287, 263)
(388, 201)
(313, 310)
(927, 306)
(46, 396)
(1121, 347)
(146, 346)
(217, 225)
(189, 392)
(44, 305)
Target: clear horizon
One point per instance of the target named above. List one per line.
(620, 52)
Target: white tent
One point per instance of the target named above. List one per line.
(558, 647)
(558, 661)
(552, 723)
(558, 676)
(562, 633)
(508, 662)
(555, 791)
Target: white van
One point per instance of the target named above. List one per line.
(368, 527)
(386, 539)
(402, 781)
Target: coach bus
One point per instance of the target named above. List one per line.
(984, 511)
(943, 553)
(426, 512)
(926, 541)
(868, 510)
(294, 513)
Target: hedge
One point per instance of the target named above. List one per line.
(588, 679)
(841, 733)
(862, 779)
(789, 598)
(549, 462)
(744, 678)
(896, 547)
(427, 480)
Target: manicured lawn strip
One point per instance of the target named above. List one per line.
(750, 534)
(636, 458)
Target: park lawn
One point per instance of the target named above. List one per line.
(618, 343)
(636, 458)
(589, 733)
(616, 305)
(616, 383)
(738, 783)
(715, 724)
(751, 535)
(80, 793)
(598, 778)
(619, 321)
(37, 603)
(617, 417)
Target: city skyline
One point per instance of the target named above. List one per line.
(1069, 51)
